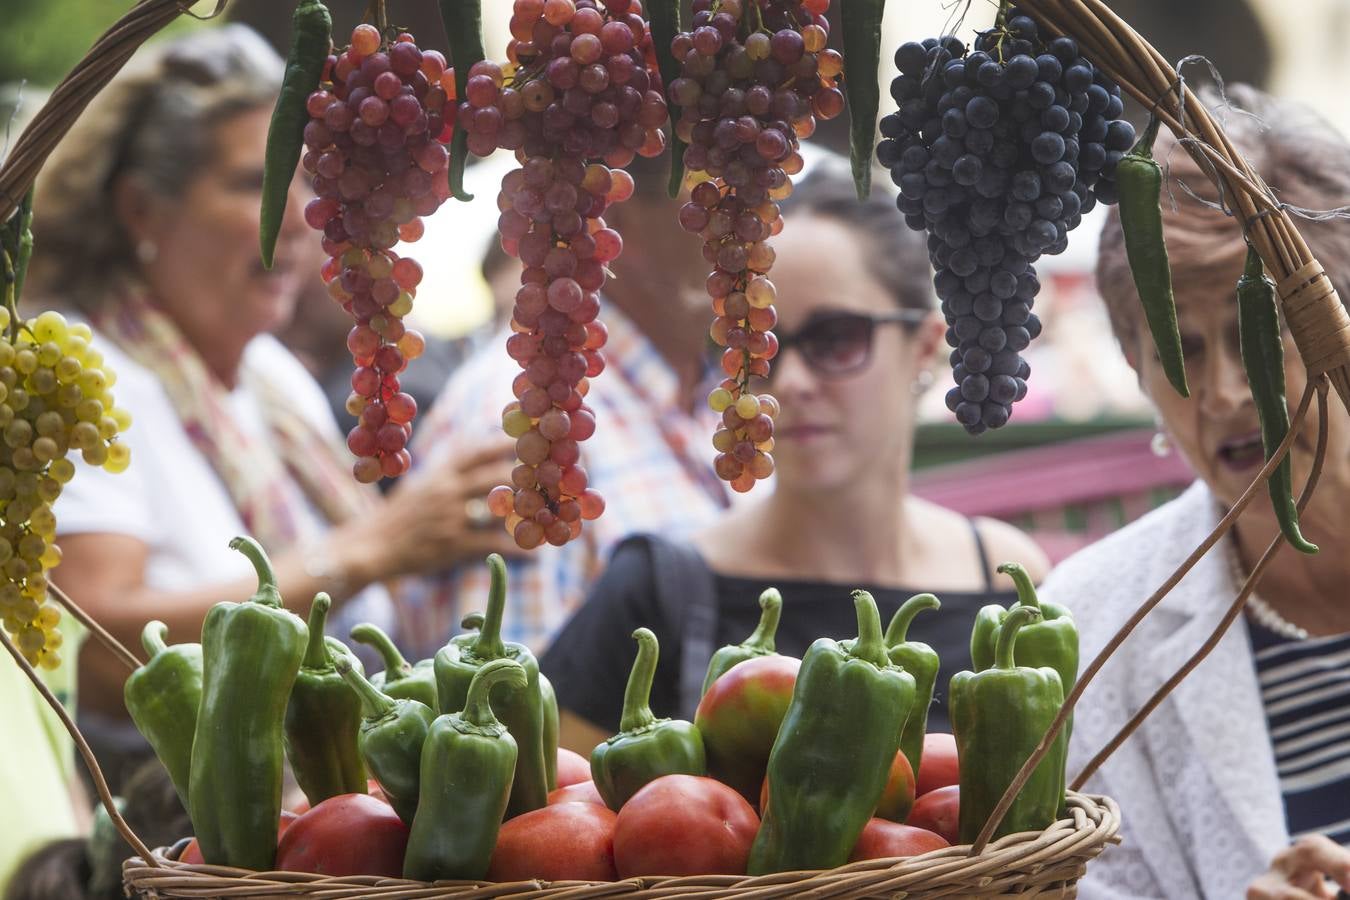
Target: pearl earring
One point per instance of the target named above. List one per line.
(147, 251)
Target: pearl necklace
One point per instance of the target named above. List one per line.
(1259, 609)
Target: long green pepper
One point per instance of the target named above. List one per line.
(393, 733)
(468, 763)
(400, 679)
(1262, 343)
(834, 750)
(861, 22)
(919, 660)
(646, 747)
(162, 697)
(311, 39)
(521, 709)
(251, 655)
(463, 21)
(759, 643)
(1139, 182)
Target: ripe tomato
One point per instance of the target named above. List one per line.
(581, 792)
(350, 834)
(573, 768)
(898, 797)
(883, 839)
(564, 842)
(937, 767)
(684, 825)
(939, 811)
(739, 719)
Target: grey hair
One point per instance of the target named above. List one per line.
(154, 123)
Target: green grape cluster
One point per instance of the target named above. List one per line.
(55, 398)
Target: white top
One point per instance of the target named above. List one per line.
(1201, 809)
(171, 498)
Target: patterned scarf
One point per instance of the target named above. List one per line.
(257, 474)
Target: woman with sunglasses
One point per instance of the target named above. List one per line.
(859, 337)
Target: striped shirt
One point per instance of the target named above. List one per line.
(650, 458)
(1305, 687)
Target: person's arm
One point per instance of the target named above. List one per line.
(1314, 867)
(1007, 543)
(578, 735)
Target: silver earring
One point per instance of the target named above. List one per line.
(1160, 446)
(922, 382)
(147, 251)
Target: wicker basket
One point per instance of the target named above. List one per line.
(1032, 864)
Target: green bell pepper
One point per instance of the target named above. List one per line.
(468, 764)
(834, 750)
(645, 747)
(919, 660)
(400, 679)
(162, 697)
(393, 732)
(759, 643)
(521, 709)
(998, 716)
(251, 655)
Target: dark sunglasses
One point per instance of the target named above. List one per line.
(840, 343)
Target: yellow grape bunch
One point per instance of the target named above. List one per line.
(55, 398)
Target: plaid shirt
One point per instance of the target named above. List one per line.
(650, 458)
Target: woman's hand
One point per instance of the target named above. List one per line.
(1311, 867)
(435, 517)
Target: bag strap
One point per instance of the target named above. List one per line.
(687, 598)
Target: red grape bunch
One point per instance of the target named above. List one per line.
(755, 77)
(577, 101)
(375, 148)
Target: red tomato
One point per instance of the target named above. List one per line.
(581, 792)
(684, 825)
(937, 767)
(287, 819)
(883, 839)
(192, 853)
(939, 811)
(573, 768)
(350, 834)
(564, 842)
(898, 796)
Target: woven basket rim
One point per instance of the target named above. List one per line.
(1092, 823)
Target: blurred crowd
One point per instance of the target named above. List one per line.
(238, 379)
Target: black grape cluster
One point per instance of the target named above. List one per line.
(998, 153)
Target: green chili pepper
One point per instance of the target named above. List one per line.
(998, 717)
(473, 622)
(759, 643)
(323, 718)
(919, 660)
(16, 240)
(1139, 182)
(645, 747)
(311, 39)
(834, 750)
(468, 763)
(861, 21)
(664, 20)
(251, 655)
(391, 739)
(162, 697)
(463, 20)
(1262, 343)
(399, 678)
(521, 709)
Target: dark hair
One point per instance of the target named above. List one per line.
(897, 257)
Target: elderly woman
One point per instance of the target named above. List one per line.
(147, 225)
(1246, 766)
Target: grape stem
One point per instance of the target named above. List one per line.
(10, 300)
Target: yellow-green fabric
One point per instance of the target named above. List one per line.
(36, 758)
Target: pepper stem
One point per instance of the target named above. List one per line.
(1026, 591)
(267, 593)
(374, 704)
(154, 638)
(898, 631)
(637, 696)
(870, 644)
(1253, 268)
(396, 667)
(1144, 146)
(472, 622)
(771, 606)
(1007, 634)
(489, 643)
(477, 709)
(316, 651)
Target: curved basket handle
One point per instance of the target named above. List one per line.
(1319, 386)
